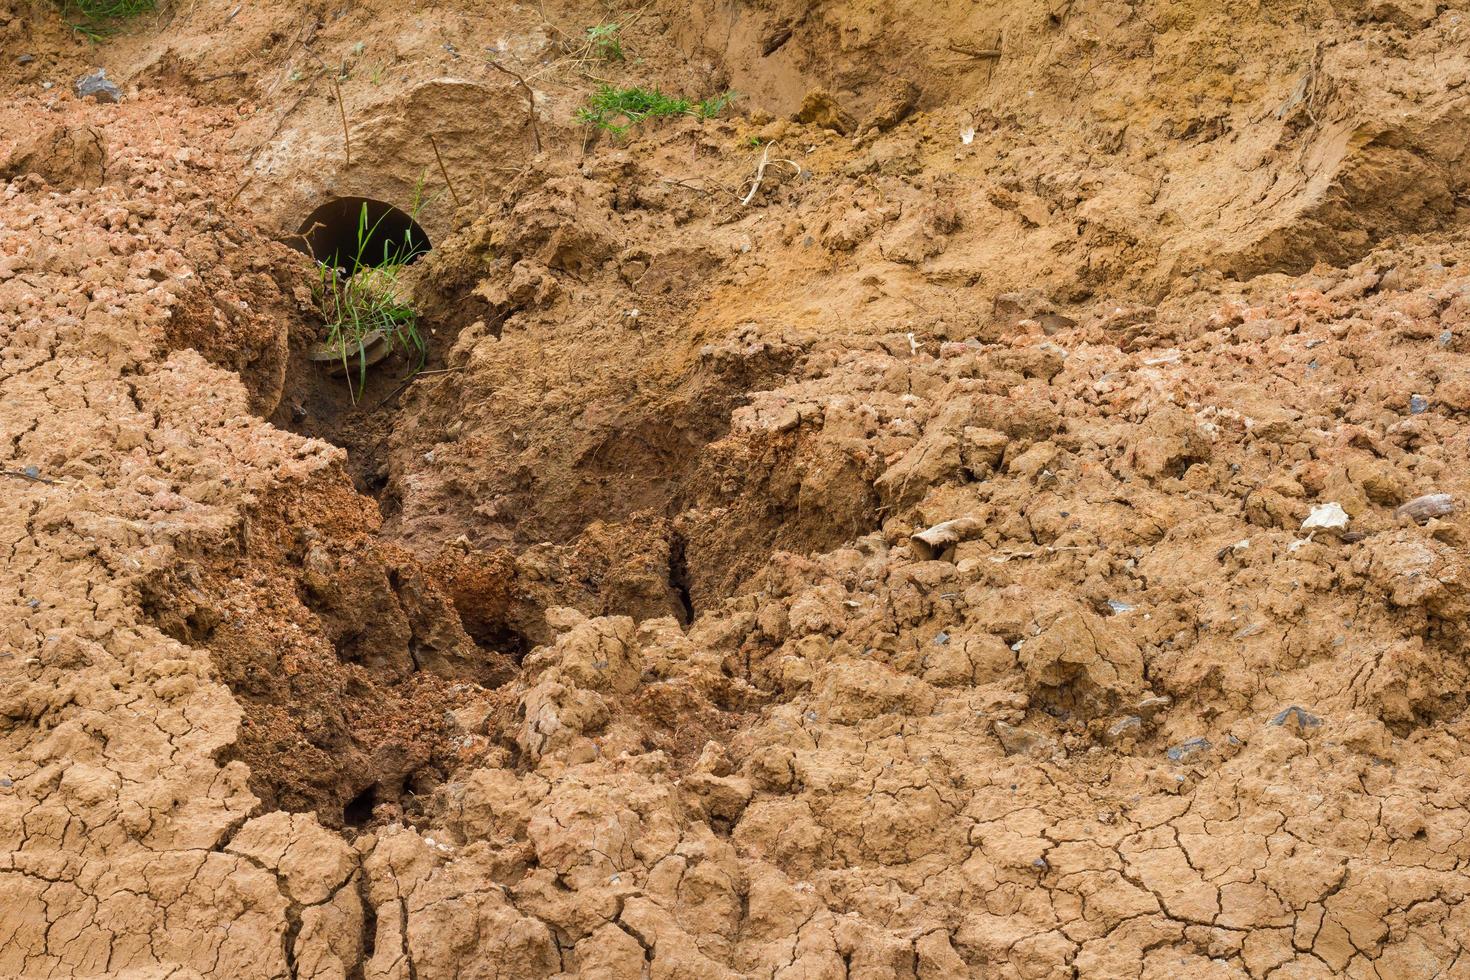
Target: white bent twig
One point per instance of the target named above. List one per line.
(760, 173)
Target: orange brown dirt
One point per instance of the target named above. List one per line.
(992, 503)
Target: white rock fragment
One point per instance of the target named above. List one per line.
(933, 542)
(1326, 517)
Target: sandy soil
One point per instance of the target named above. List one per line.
(991, 504)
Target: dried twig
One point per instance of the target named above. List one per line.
(342, 108)
(23, 475)
(240, 190)
(410, 380)
(447, 182)
(760, 173)
(685, 184)
(984, 53)
(530, 100)
(1002, 557)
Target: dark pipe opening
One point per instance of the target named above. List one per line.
(351, 232)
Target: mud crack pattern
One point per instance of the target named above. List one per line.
(926, 641)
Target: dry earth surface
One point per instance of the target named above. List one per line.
(989, 504)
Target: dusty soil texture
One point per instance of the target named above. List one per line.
(992, 503)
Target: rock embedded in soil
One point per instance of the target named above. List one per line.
(1295, 717)
(1326, 517)
(97, 86)
(1189, 749)
(1423, 509)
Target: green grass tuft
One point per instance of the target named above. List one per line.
(95, 19)
(608, 105)
(363, 298)
(607, 41)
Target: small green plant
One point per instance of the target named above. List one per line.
(606, 41)
(361, 301)
(94, 19)
(608, 105)
(715, 104)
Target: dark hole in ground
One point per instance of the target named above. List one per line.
(359, 810)
(351, 232)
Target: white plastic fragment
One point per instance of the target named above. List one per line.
(1326, 517)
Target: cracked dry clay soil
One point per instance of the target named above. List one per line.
(1021, 535)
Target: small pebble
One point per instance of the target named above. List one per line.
(1417, 404)
(25, 59)
(1189, 748)
(97, 86)
(1296, 716)
(1125, 724)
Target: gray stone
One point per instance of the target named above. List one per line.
(1153, 704)
(1019, 741)
(1426, 508)
(1127, 725)
(97, 86)
(1297, 717)
(1189, 748)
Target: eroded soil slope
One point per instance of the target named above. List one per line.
(992, 505)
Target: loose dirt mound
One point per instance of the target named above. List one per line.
(993, 506)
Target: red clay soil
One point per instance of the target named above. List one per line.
(991, 503)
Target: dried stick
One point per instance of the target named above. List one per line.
(984, 53)
(447, 182)
(23, 475)
(760, 173)
(530, 99)
(342, 109)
